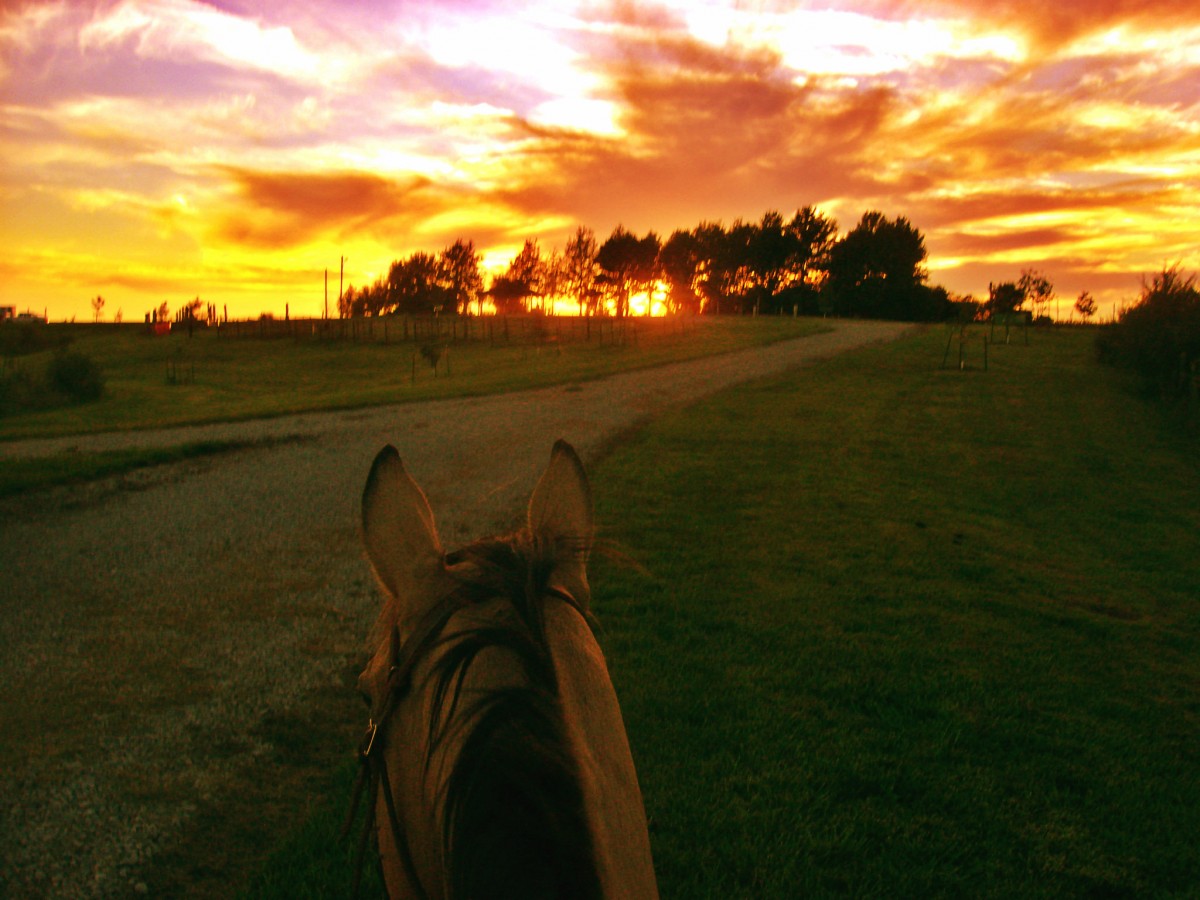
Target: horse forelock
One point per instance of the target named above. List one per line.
(512, 814)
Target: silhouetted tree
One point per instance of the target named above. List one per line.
(616, 259)
(189, 314)
(787, 261)
(1037, 289)
(770, 256)
(460, 276)
(1085, 306)
(680, 262)
(346, 303)
(524, 279)
(375, 299)
(508, 294)
(772, 265)
(814, 235)
(877, 271)
(736, 266)
(711, 253)
(629, 265)
(97, 307)
(724, 264)
(646, 272)
(554, 277)
(1004, 298)
(966, 308)
(415, 285)
(579, 269)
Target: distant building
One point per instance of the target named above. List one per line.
(7, 312)
(31, 317)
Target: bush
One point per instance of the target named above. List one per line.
(76, 376)
(24, 338)
(13, 387)
(1159, 336)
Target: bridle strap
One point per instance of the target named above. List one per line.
(372, 772)
(402, 848)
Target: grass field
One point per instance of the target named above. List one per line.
(215, 378)
(224, 379)
(908, 632)
(934, 634)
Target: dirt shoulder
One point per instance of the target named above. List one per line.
(181, 645)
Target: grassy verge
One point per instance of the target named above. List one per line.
(19, 476)
(910, 632)
(177, 380)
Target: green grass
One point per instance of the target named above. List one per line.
(24, 475)
(316, 861)
(225, 378)
(908, 632)
(914, 632)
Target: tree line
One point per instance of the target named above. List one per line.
(774, 265)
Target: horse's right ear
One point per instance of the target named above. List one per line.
(560, 517)
(398, 527)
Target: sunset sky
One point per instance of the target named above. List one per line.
(158, 150)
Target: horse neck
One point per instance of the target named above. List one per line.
(596, 732)
(493, 797)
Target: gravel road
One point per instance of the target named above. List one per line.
(165, 637)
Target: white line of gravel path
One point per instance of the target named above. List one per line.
(163, 615)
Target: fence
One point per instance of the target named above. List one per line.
(523, 329)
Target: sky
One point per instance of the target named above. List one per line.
(160, 150)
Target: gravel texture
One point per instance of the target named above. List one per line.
(156, 629)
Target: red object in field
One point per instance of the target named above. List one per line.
(162, 327)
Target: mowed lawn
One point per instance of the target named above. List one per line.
(914, 632)
(902, 632)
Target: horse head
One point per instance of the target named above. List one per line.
(495, 753)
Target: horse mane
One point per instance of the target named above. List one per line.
(513, 817)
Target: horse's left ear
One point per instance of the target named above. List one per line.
(560, 518)
(398, 528)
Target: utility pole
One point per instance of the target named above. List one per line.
(341, 272)
(327, 292)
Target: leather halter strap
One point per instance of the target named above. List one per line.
(372, 772)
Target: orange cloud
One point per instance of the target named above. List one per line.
(1051, 24)
(277, 209)
(710, 132)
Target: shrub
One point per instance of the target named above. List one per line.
(76, 376)
(10, 388)
(21, 393)
(24, 338)
(1159, 336)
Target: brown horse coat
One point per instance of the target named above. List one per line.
(507, 757)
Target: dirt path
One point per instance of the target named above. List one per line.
(176, 647)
